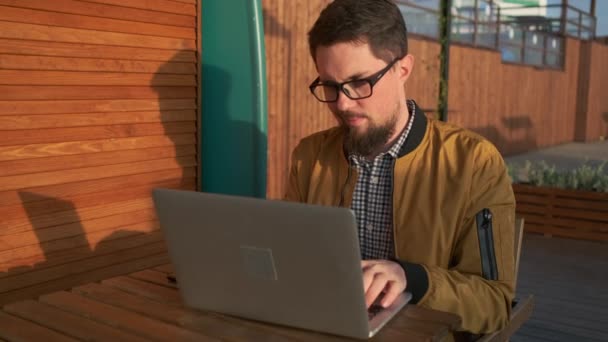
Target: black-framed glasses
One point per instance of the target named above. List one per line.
(354, 89)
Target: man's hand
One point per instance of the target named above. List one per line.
(382, 276)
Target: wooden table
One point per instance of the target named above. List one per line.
(144, 306)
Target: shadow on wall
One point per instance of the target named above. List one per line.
(228, 145)
(521, 136)
(45, 246)
(53, 228)
(273, 27)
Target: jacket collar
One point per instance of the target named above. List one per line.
(417, 132)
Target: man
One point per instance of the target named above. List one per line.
(433, 202)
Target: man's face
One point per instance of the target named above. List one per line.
(372, 121)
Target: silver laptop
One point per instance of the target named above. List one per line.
(285, 263)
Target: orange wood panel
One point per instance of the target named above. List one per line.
(493, 98)
(94, 132)
(21, 62)
(93, 106)
(62, 78)
(18, 122)
(25, 166)
(597, 109)
(30, 16)
(168, 6)
(51, 48)
(98, 106)
(102, 184)
(105, 11)
(69, 35)
(21, 92)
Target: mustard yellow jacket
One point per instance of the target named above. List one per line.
(453, 215)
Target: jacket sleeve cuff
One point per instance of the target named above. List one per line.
(417, 280)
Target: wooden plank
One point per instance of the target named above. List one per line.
(154, 5)
(135, 261)
(53, 135)
(105, 11)
(207, 324)
(584, 215)
(21, 92)
(108, 241)
(18, 329)
(93, 106)
(575, 224)
(60, 49)
(422, 330)
(562, 202)
(25, 122)
(15, 182)
(157, 293)
(67, 323)
(70, 35)
(154, 277)
(120, 318)
(77, 230)
(23, 15)
(96, 185)
(154, 286)
(167, 269)
(539, 208)
(21, 62)
(561, 212)
(94, 260)
(93, 146)
(569, 233)
(68, 215)
(25, 166)
(76, 78)
(575, 194)
(159, 279)
(531, 198)
(34, 205)
(582, 204)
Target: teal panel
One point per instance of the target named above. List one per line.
(234, 108)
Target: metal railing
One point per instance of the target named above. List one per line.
(526, 39)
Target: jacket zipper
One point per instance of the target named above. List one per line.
(345, 185)
(486, 244)
(394, 161)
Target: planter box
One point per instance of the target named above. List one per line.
(567, 213)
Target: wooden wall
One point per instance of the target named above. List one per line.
(597, 99)
(518, 108)
(98, 105)
(293, 112)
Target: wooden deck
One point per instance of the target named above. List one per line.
(569, 279)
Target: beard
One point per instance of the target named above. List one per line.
(370, 141)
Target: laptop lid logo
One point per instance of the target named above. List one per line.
(258, 262)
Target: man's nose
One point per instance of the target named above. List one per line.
(344, 103)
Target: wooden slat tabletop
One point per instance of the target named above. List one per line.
(144, 306)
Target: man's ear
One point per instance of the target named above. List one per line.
(406, 65)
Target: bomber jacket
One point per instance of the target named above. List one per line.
(453, 215)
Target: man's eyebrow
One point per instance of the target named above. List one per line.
(352, 77)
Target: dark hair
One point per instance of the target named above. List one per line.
(378, 23)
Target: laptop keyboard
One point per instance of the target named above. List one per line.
(374, 310)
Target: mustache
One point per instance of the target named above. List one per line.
(350, 115)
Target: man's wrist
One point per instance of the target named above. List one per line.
(417, 279)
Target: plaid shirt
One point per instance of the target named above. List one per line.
(372, 198)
